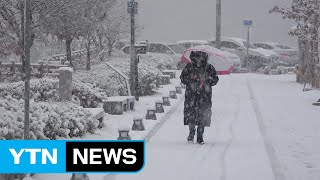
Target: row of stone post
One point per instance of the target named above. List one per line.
(138, 124)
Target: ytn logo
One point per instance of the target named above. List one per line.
(32, 153)
(58, 156)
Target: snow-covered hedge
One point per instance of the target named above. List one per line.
(105, 78)
(87, 95)
(40, 89)
(46, 89)
(47, 120)
(161, 61)
(150, 68)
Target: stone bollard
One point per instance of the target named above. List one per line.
(159, 107)
(151, 114)
(178, 89)
(124, 134)
(138, 124)
(166, 101)
(173, 95)
(65, 83)
(79, 177)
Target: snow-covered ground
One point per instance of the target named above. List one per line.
(292, 124)
(264, 127)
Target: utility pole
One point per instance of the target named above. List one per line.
(132, 9)
(248, 24)
(218, 24)
(248, 42)
(27, 46)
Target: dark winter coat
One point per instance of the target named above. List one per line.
(198, 97)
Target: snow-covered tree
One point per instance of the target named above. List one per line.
(306, 14)
(12, 25)
(12, 22)
(114, 25)
(68, 24)
(94, 15)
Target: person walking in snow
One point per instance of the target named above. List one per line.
(199, 77)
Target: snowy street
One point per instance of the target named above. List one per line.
(234, 144)
(244, 141)
(260, 130)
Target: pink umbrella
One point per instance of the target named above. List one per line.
(216, 57)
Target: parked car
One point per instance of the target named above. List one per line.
(286, 53)
(235, 59)
(258, 57)
(171, 49)
(191, 43)
(140, 49)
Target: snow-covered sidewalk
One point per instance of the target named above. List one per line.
(234, 146)
(264, 127)
(291, 123)
(114, 122)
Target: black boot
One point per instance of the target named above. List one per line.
(192, 132)
(190, 138)
(200, 140)
(200, 131)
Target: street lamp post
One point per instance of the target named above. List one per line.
(218, 24)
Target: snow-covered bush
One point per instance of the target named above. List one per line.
(105, 78)
(149, 73)
(87, 95)
(47, 120)
(46, 89)
(161, 61)
(150, 67)
(40, 89)
(11, 78)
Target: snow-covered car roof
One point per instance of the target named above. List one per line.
(270, 43)
(193, 41)
(208, 48)
(265, 52)
(229, 54)
(239, 40)
(277, 45)
(164, 43)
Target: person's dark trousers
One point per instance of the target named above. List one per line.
(192, 129)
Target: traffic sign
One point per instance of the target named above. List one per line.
(132, 6)
(247, 23)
